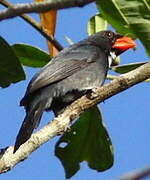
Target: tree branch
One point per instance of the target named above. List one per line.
(41, 7)
(36, 25)
(59, 125)
(137, 175)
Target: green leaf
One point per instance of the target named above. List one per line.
(30, 55)
(10, 68)
(96, 23)
(88, 141)
(130, 17)
(127, 67)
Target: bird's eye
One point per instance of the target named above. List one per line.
(109, 34)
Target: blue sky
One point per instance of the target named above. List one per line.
(126, 115)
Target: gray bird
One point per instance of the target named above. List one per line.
(75, 71)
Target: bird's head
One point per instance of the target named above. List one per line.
(113, 44)
(110, 41)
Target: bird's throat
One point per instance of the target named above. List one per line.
(112, 56)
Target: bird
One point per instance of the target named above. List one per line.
(75, 71)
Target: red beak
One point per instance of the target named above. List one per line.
(124, 43)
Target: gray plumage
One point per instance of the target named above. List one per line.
(74, 71)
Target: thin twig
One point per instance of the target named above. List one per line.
(39, 7)
(111, 77)
(36, 25)
(137, 175)
(8, 160)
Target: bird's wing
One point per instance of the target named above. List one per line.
(54, 72)
(64, 65)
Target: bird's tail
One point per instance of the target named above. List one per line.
(31, 121)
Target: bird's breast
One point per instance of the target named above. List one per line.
(88, 78)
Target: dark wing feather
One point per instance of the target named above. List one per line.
(54, 72)
(69, 61)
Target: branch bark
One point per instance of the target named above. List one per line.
(137, 175)
(36, 25)
(59, 125)
(20, 9)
